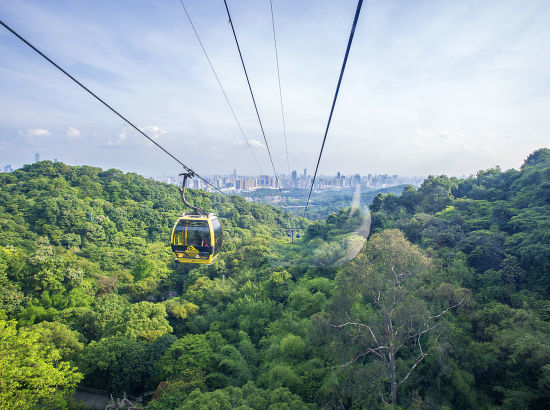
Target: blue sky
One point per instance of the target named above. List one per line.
(431, 86)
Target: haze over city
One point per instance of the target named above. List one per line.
(431, 87)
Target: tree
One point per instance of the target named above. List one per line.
(117, 364)
(180, 308)
(435, 193)
(247, 397)
(11, 296)
(143, 320)
(142, 269)
(539, 156)
(233, 365)
(58, 336)
(106, 310)
(387, 314)
(187, 358)
(30, 371)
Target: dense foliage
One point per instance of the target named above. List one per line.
(446, 306)
(491, 234)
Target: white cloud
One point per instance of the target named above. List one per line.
(252, 143)
(73, 132)
(256, 144)
(128, 137)
(120, 140)
(153, 131)
(36, 132)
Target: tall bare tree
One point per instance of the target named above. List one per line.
(389, 309)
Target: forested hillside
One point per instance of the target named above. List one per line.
(447, 305)
(491, 235)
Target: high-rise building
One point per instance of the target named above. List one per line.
(305, 172)
(338, 175)
(234, 173)
(294, 176)
(8, 168)
(37, 157)
(263, 180)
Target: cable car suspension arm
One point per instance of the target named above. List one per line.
(197, 209)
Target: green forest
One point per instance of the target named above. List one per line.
(444, 303)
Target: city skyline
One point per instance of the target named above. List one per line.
(236, 182)
(304, 178)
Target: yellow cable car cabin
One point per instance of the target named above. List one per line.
(197, 238)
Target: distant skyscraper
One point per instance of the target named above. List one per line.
(235, 173)
(8, 168)
(294, 176)
(305, 172)
(338, 175)
(37, 157)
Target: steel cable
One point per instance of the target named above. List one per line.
(356, 18)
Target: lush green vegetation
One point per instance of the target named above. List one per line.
(491, 234)
(446, 306)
